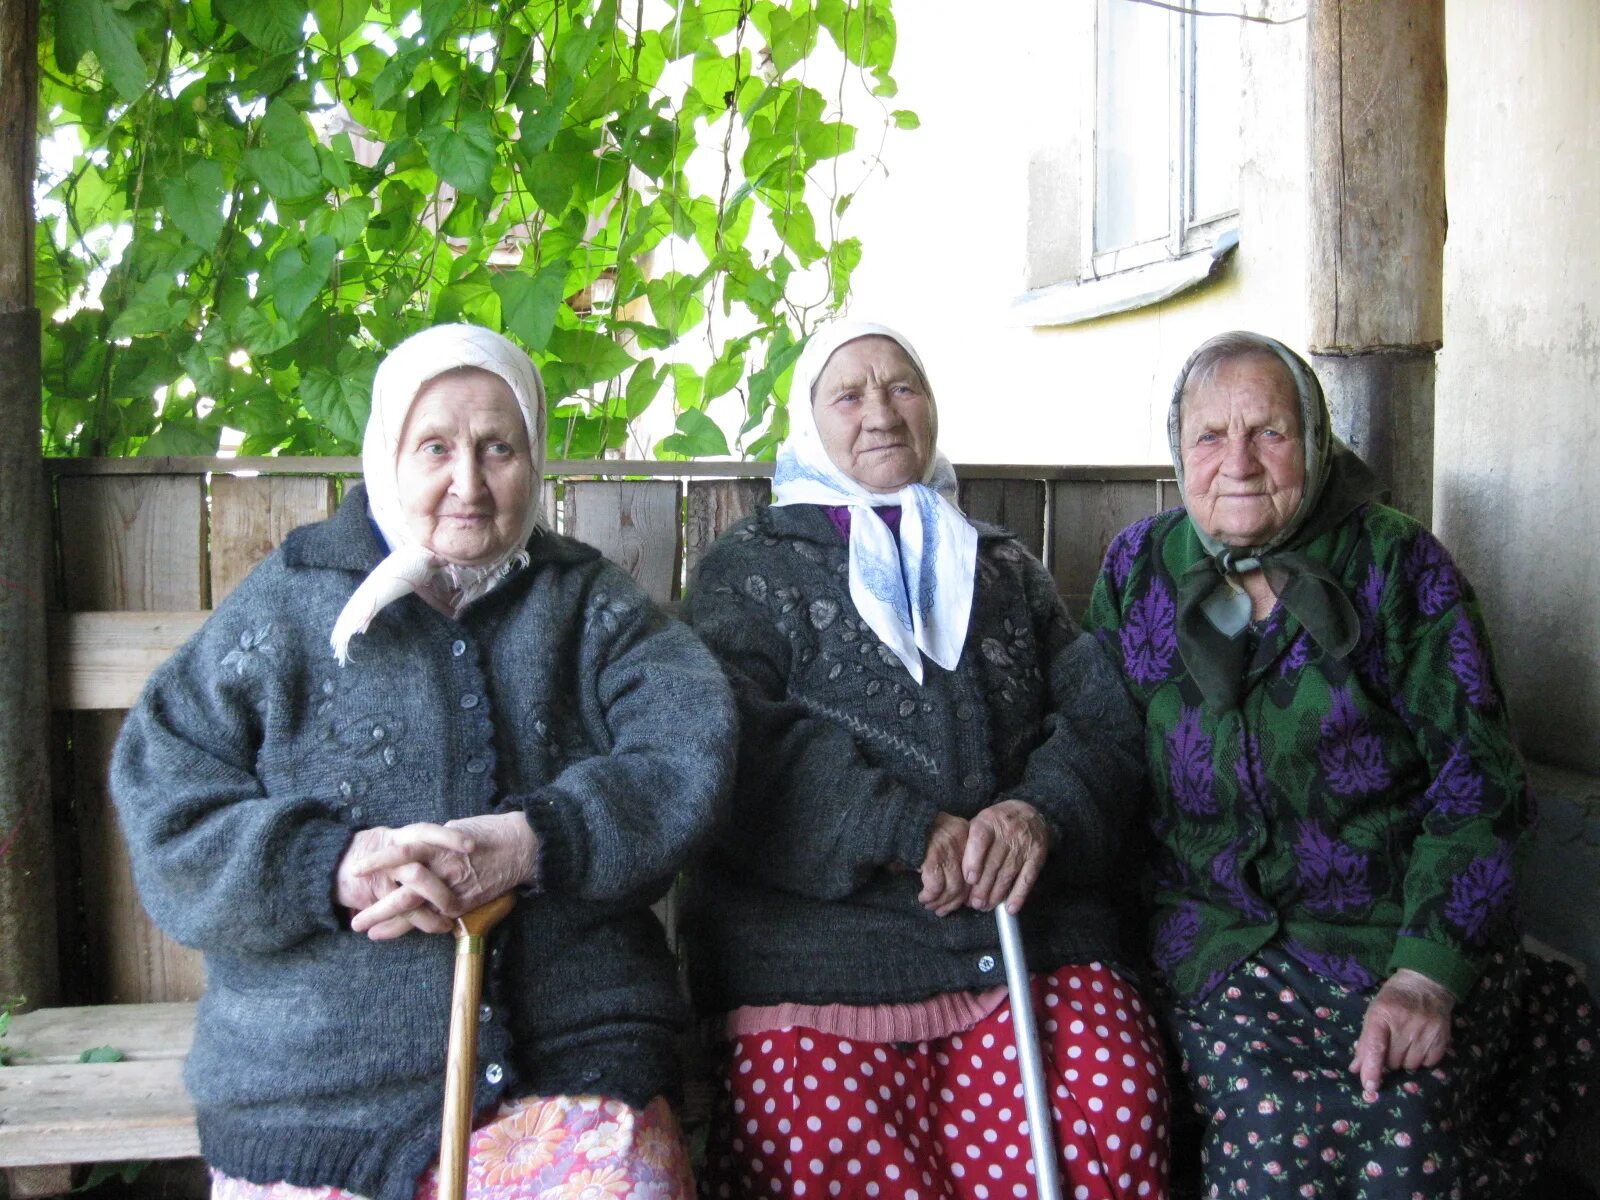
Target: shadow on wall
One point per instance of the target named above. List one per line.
(1561, 875)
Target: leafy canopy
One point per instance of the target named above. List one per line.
(244, 203)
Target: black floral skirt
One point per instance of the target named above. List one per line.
(1267, 1058)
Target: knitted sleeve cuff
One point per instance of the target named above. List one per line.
(561, 853)
(905, 827)
(1442, 964)
(310, 898)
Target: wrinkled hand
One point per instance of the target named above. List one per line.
(1006, 848)
(380, 861)
(943, 888)
(1407, 1025)
(449, 870)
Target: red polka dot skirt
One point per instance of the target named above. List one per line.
(806, 1114)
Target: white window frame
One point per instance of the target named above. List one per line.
(1187, 232)
(1193, 246)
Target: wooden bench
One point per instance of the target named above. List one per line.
(148, 547)
(56, 1112)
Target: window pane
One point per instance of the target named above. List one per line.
(1216, 118)
(1133, 142)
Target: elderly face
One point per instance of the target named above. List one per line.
(1243, 461)
(874, 414)
(465, 469)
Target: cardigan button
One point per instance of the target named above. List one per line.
(458, 647)
(477, 765)
(469, 701)
(485, 1014)
(964, 712)
(972, 782)
(494, 1073)
(986, 963)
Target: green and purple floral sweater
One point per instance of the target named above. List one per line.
(1362, 813)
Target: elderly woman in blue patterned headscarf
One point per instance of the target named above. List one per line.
(925, 736)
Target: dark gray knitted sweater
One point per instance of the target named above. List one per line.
(251, 759)
(845, 760)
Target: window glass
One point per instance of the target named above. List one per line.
(1133, 138)
(1215, 117)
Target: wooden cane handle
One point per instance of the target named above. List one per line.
(461, 1067)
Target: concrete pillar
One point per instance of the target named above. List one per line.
(1375, 268)
(27, 889)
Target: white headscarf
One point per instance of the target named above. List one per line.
(411, 567)
(915, 594)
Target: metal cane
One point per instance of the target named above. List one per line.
(1036, 1099)
(461, 1065)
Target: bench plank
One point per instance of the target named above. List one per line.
(140, 1031)
(95, 1112)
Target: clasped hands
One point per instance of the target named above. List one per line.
(993, 858)
(424, 876)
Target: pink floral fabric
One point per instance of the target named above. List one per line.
(543, 1148)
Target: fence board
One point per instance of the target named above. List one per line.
(711, 508)
(251, 514)
(1171, 494)
(133, 543)
(100, 660)
(635, 525)
(1084, 519)
(1014, 504)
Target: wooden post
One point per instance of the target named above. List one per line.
(1376, 109)
(27, 875)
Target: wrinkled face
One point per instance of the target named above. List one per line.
(1243, 461)
(874, 414)
(465, 471)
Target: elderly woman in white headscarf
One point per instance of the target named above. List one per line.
(499, 708)
(925, 736)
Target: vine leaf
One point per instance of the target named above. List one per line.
(339, 19)
(697, 437)
(84, 25)
(297, 273)
(285, 163)
(529, 303)
(194, 202)
(276, 26)
(464, 157)
(340, 397)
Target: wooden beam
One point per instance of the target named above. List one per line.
(1375, 262)
(28, 959)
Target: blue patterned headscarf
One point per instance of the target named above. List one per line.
(915, 593)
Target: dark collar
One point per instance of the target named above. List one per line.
(346, 542)
(810, 523)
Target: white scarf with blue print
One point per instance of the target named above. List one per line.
(915, 594)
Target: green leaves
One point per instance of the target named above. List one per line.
(530, 302)
(465, 156)
(271, 194)
(84, 25)
(271, 25)
(285, 162)
(339, 396)
(194, 202)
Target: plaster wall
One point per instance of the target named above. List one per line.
(982, 202)
(1517, 441)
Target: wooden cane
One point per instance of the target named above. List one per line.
(461, 1066)
(1036, 1100)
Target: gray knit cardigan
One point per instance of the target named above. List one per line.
(252, 758)
(809, 894)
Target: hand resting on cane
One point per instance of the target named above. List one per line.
(423, 876)
(997, 856)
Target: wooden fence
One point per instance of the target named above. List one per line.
(145, 547)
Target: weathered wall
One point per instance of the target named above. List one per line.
(1518, 441)
(987, 186)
